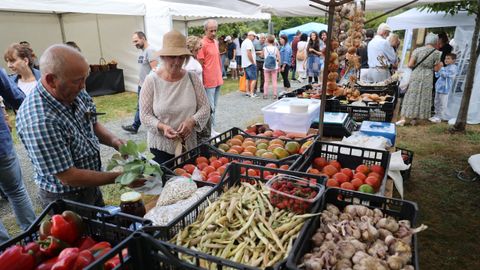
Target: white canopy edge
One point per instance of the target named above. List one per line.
(416, 18)
(113, 7)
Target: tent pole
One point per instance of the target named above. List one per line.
(99, 37)
(270, 27)
(62, 27)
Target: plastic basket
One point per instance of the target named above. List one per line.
(348, 156)
(371, 112)
(234, 177)
(207, 151)
(99, 223)
(229, 134)
(409, 154)
(399, 209)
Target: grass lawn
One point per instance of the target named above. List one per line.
(448, 206)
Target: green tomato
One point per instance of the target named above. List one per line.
(365, 188)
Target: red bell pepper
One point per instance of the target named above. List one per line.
(66, 259)
(100, 249)
(48, 264)
(51, 246)
(17, 257)
(84, 258)
(86, 242)
(67, 227)
(34, 249)
(115, 261)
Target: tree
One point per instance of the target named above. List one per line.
(473, 7)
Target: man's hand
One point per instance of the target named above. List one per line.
(117, 142)
(185, 128)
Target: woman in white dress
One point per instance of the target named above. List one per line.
(301, 64)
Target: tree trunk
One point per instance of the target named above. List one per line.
(461, 121)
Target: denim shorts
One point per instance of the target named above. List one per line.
(251, 72)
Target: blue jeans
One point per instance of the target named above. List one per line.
(136, 122)
(222, 64)
(212, 94)
(12, 185)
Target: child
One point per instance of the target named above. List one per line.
(444, 84)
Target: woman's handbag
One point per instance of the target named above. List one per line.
(232, 64)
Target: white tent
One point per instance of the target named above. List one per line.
(464, 23)
(103, 28)
(288, 8)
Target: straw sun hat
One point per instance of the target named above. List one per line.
(174, 44)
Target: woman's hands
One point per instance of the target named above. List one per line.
(168, 131)
(186, 127)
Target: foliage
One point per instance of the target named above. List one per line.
(135, 161)
(453, 7)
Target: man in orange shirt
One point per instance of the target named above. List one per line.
(209, 58)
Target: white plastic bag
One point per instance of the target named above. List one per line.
(232, 64)
(404, 80)
(176, 189)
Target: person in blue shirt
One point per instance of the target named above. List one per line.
(11, 183)
(443, 86)
(57, 123)
(19, 59)
(285, 60)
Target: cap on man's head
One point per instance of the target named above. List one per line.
(252, 33)
(384, 27)
(228, 38)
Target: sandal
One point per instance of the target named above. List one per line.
(265, 96)
(274, 97)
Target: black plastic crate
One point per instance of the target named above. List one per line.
(229, 134)
(389, 89)
(371, 112)
(232, 177)
(208, 151)
(348, 156)
(98, 222)
(399, 209)
(409, 160)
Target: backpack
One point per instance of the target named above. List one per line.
(270, 61)
(301, 54)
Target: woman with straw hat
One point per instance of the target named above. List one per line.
(173, 103)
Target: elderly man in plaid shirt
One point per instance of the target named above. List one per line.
(57, 123)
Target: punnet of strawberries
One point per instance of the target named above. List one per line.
(292, 195)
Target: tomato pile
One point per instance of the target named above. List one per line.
(292, 196)
(363, 178)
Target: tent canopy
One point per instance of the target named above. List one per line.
(416, 18)
(103, 29)
(304, 28)
(288, 8)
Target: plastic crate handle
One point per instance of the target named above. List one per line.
(179, 264)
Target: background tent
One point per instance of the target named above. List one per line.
(103, 28)
(298, 8)
(464, 23)
(304, 28)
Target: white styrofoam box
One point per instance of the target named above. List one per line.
(279, 116)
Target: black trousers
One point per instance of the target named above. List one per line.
(286, 82)
(161, 156)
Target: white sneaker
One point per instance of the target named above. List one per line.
(434, 119)
(254, 96)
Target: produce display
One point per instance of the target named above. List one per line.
(363, 178)
(242, 226)
(264, 148)
(360, 238)
(208, 169)
(62, 245)
(263, 130)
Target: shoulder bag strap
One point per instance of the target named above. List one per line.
(416, 65)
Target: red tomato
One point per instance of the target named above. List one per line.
(271, 165)
(373, 181)
(209, 169)
(187, 175)
(189, 168)
(202, 166)
(212, 158)
(332, 183)
(214, 179)
(347, 185)
(266, 173)
(222, 169)
(224, 160)
(213, 173)
(216, 164)
(284, 167)
(252, 172)
(356, 183)
(201, 159)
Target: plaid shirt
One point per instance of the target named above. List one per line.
(58, 137)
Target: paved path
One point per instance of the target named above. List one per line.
(234, 110)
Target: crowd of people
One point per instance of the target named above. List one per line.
(178, 91)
